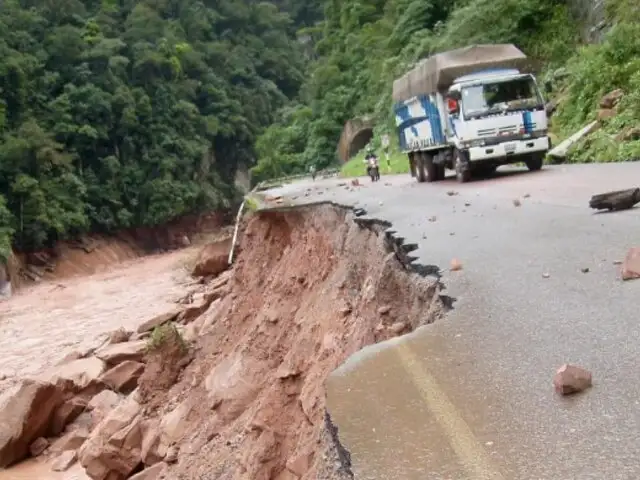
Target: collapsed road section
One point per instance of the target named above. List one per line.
(233, 385)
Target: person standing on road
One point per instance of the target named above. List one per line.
(312, 170)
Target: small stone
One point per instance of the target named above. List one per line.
(585, 270)
(451, 193)
(631, 264)
(398, 327)
(451, 234)
(38, 446)
(467, 204)
(432, 219)
(119, 336)
(545, 275)
(384, 310)
(516, 202)
(526, 195)
(380, 203)
(571, 379)
(456, 265)
(64, 461)
(344, 311)
(172, 455)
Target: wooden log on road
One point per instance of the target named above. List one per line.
(618, 200)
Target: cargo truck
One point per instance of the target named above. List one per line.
(470, 110)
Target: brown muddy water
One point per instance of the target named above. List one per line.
(42, 324)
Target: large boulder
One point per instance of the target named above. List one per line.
(120, 352)
(149, 325)
(65, 414)
(24, 417)
(234, 384)
(213, 259)
(123, 377)
(77, 375)
(611, 99)
(113, 451)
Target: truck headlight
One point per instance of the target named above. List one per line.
(474, 143)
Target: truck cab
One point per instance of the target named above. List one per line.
(498, 117)
(470, 110)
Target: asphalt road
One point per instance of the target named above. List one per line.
(471, 397)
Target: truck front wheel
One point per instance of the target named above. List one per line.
(534, 162)
(461, 165)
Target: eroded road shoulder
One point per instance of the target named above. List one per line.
(472, 396)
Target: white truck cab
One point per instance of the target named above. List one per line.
(471, 111)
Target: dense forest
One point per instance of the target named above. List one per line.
(118, 113)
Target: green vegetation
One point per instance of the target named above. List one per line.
(120, 114)
(166, 334)
(594, 71)
(363, 45)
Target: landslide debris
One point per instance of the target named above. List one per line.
(230, 384)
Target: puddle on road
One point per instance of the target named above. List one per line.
(376, 407)
(37, 470)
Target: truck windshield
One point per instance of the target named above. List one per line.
(500, 97)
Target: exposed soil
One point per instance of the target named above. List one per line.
(244, 397)
(167, 356)
(97, 253)
(310, 287)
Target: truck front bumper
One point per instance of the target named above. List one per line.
(506, 150)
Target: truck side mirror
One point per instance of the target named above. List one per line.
(454, 94)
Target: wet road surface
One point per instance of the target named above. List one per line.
(470, 397)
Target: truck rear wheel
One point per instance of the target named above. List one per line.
(461, 165)
(430, 167)
(412, 164)
(420, 162)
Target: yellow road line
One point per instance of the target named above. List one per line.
(464, 443)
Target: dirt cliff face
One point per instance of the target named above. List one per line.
(96, 252)
(310, 287)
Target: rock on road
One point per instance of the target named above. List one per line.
(471, 396)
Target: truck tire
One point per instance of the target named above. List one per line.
(412, 164)
(420, 162)
(534, 162)
(430, 167)
(441, 170)
(461, 165)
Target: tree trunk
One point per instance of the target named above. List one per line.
(618, 200)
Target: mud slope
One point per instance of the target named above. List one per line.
(311, 287)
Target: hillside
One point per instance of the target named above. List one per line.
(363, 45)
(123, 114)
(115, 115)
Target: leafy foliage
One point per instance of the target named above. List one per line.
(117, 114)
(594, 71)
(365, 44)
